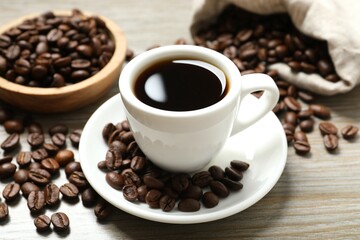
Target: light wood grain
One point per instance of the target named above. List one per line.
(317, 197)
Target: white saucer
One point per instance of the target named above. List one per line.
(263, 146)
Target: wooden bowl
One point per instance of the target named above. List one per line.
(70, 97)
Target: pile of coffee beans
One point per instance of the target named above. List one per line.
(32, 173)
(254, 42)
(53, 51)
(130, 171)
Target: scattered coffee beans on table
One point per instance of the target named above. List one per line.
(53, 51)
(128, 170)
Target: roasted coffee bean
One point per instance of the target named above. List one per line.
(50, 148)
(167, 203)
(39, 176)
(23, 159)
(331, 142)
(63, 157)
(29, 187)
(13, 52)
(58, 128)
(142, 191)
(4, 211)
(202, 179)
(36, 201)
(219, 189)
(210, 200)
(11, 142)
(232, 184)
(292, 104)
(233, 174)
(39, 154)
(349, 131)
(153, 198)
(113, 159)
(138, 163)
(34, 127)
(115, 180)
(13, 126)
(216, 172)
(89, 197)
(130, 192)
(102, 165)
(51, 165)
(134, 150)
(119, 147)
(189, 205)
(58, 139)
(69, 191)
(305, 114)
(72, 167)
(78, 179)
(301, 147)
(42, 223)
(6, 159)
(239, 165)
(180, 182)
(108, 130)
(11, 191)
(21, 176)
(193, 191)
(131, 177)
(153, 183)
(35, 139)
(75, 137)
(51, 194)
(328, 128)
(126, 137)
(291, 117)
(7, 170)
(307, 125)
(102, 210)
(320, 111)
(300, 136)
(306, 96)
(60, 221)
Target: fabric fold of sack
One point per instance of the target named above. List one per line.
(334, 21)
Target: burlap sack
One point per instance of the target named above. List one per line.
(336, 21)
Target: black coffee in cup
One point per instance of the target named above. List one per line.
(181, 85)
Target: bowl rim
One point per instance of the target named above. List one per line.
(116, 33)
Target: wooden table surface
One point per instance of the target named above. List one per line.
(317, 197)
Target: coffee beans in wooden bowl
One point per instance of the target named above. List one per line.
(59, 61)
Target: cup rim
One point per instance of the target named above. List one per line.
(141, 61)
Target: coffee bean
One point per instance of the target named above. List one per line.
(328, 128)
(65, 156)
(180, 182)
(13, 52)
(239, 165)
(58, 139)
(202, 179)
(75, 137)
(11, 142)
(39, 154)
(69, 191)
(331, 142)
(21, 176)
(320, 111)
(42, 223)
(60, 221)
(36, 201)
(130, 192)
(153, 198)
(58, 128)
(290, 117)
(50, 148)
(301, 147)
(300, 136)
(11, 191)
(307, 125)
(89, 197)
(188, 205)
(102, 210)
(102, 165)
(34, 127)
(108, 130)
(7, 170)
(51, 165)
(167, 203)
(216, 172)
(115, 180)
(39, 176)
(51, 194)
(233, 174)
(210, 200)
(193, 191)
(219, 189)
(4, 211)
(305, 114)
(13, 126)
(78, 179)
(306, 96)
(6, 159)
(292, 104)
(349, 132)
(72, 167)
(23, 159)
(35, 139)
(138, 163)
(28, 187)
(153, 183)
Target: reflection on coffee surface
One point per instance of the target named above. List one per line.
(181, 85)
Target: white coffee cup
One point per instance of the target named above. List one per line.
(185, 141)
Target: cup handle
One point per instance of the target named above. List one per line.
(246, 115)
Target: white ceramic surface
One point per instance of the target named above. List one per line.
(186, 140)
(263, 145)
